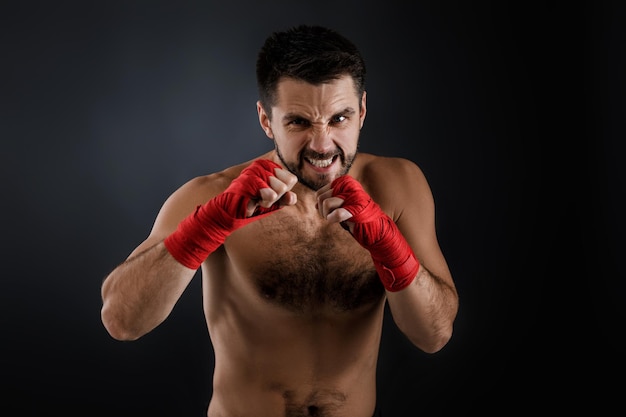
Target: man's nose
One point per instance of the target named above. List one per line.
(321, 141)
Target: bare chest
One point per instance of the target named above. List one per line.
(304, 264)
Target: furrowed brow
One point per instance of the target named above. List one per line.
(348, 111)
(291, 116)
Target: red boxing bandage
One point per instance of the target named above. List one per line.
(393, 258)
(204, 230)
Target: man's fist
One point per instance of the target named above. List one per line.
(260, 189)
(345, 200)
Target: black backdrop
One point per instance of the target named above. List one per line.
(514, 112)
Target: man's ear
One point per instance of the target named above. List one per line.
(363, 109)
(264, 120)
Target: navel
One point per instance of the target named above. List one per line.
(322, 403)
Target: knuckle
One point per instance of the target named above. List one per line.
(281, 188)
(291, 181)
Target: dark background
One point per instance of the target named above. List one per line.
(514, 111)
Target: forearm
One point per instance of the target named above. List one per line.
(140, 293)
(425, 310)
(423, 305)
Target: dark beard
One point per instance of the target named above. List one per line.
(322, 179)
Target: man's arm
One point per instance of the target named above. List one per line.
(426, 309)
(420, 290)
(140, 293)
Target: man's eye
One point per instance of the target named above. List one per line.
(298, 122)
(338, 119)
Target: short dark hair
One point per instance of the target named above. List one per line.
(310, 53)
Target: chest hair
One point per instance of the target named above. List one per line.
(305, 264)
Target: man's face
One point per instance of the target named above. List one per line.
(315, 128)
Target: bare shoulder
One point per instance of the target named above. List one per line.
(388, 163)
(393, 182)
(198, 191)
(186, 199)
(380, 173)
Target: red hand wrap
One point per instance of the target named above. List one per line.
(204, 230)
(393, 258)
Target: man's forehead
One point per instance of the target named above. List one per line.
(334, 96)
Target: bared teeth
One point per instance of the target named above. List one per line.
(321, 163)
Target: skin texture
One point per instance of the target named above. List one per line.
(293, 304)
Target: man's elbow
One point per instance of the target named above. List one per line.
(434, 342)
(116, 327)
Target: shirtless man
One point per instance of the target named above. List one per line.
(299, 248)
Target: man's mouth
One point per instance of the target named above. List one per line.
(321, 163)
